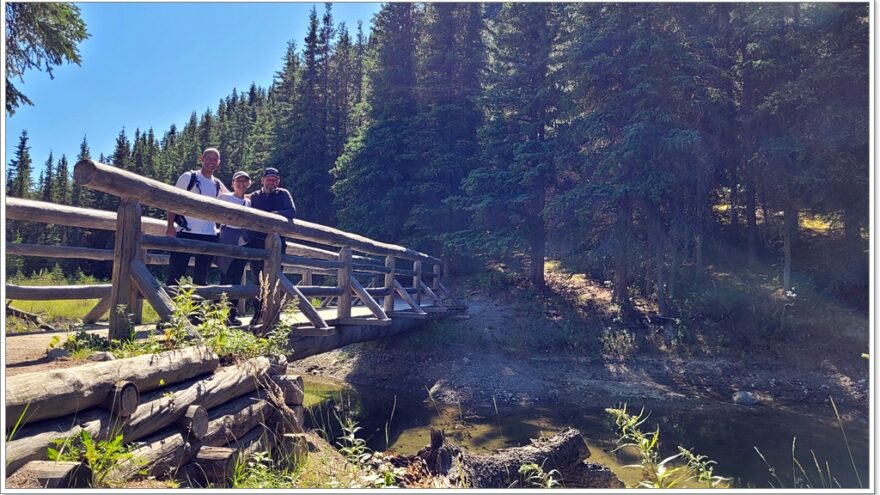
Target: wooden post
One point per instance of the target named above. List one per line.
(136, 297)
(307, 276)
(271, 270)
(242, 303)
(343, 306)
(128, 232)
(435, 283)
(389, 284)
(417, 281)
(98, 311)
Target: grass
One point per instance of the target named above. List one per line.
(72, 311)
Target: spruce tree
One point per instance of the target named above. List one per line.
(19, 172)
(508, 192)
(373, 194)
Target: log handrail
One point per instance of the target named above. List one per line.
(202, 247)
(72, 216)
(151, 192)
(56, 292)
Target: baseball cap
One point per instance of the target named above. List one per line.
(271, 172)
(240, 173)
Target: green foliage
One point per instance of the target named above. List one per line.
(230, 344)
(100, 455)
(39, 36)
(657, 472)
(350, 445)
(618, 344)
(534, 476)
(262, 471)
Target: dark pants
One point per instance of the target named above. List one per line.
(178, 262)
(257, 269)
(233, 277)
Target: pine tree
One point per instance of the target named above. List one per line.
(448, 121)
(508, 192)
(47, 180)
(62, 189)
(372, 190)
(304, 162)
(19, 171)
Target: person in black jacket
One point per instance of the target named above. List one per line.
(273, 199)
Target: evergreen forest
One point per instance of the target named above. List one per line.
(639, 142)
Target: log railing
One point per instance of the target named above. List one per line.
(136, 235)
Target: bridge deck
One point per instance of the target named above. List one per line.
(329, 314)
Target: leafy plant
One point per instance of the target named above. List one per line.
(619, 345)
(261, 471)
(100, 455)
(656, 472)
(534, 476)
(350, 445)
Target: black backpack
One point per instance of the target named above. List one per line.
(180, 219)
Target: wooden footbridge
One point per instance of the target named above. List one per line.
(366, 301)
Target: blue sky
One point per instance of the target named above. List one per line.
(151, 64)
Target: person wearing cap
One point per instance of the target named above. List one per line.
(273, 199)
(231, 269)
(202, 182)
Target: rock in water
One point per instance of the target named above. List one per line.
(745, 398)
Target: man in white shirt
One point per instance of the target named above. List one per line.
(199, 182)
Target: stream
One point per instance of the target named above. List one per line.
(730, 437)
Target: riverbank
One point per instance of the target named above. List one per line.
(473, 360)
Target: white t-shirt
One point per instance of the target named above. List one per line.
(205, 187)
(231, 198)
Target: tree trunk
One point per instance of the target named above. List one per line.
(621, 235)
(852, 231)
(789, 236)
(538, 237)
(751, 220)
(734, 193)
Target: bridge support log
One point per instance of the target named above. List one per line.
(388, 301)
(417, 281)
(302, 302)
(343, 304)
(123, 293)
(404, 294)
(368, 300)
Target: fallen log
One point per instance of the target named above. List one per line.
(159, 455)
(46, 474)
(564, 452)
(292, 386)
(210, 392)
(123, 399)
(212, 466)
(259, 439)
(156, 412)
(194, 422)
(53, 394)
(32, 442)
(236, 418)
(28, 317)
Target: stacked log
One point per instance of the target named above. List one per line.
(179, 413)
